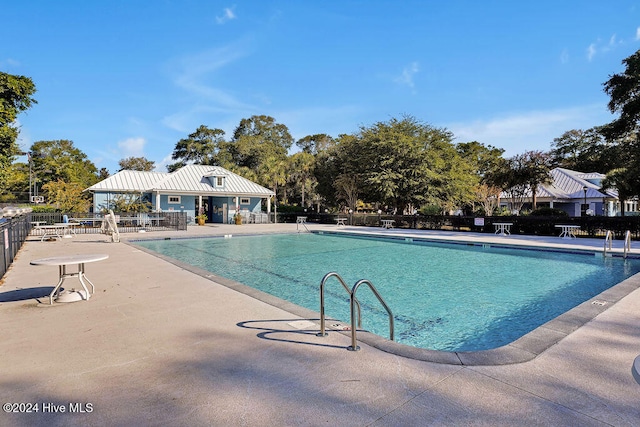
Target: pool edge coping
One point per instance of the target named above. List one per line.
(524, 349)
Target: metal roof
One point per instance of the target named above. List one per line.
(128, 181)
(190, 179)
(567, 184)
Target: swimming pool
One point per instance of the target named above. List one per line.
(444, 296)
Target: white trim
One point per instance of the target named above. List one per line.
(173, 200)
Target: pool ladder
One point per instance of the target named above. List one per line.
(354, 303)
(608, 241)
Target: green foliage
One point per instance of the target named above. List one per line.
(129, 203)
(430, 210)
(585, 151)
(401, 163)
(15, 97)
(257, 141)
(61, 160)
(136, 164)
(624, 90)
(314, 144)
(484, 159)
(545, 211)
(201, 147)
(67, 197)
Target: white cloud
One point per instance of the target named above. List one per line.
(9, 63)
(638, 33)
(196, 75)
(599, 47)
(196, 70)
(534, 130)
(132, 147)
(406, 78)
(564, 57)
(227, 15)
(591, 51)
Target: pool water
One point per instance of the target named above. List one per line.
(447, 297)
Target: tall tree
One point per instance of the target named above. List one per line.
(483, 158)
(137, 164)
(313, 144)
(624, 90)
(585, 151)
(300, 172)
(200, 147)
(258, 141)
(537, 166)
(61, 160)
(521, 175)
(16, 96)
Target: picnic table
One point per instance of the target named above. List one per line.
(387, 223)
(59, 230)
(503, 228)
(568, 231)
(341, 221)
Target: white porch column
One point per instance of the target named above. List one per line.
(157, 201)
(268, 204)
(199, 204)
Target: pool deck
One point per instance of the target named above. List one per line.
(161, 344)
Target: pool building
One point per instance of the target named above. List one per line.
(194, 189)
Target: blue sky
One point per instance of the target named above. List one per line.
(131, 78)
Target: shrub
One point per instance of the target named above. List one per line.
(548, 212)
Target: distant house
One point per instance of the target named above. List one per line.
(576, 193)
(218, 192)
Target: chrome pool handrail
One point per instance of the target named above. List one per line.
(354, 344)
(327, 276)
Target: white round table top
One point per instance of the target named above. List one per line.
(69, 259)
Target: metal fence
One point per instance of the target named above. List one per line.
(89, 223)
(13, 233)
(590, 226)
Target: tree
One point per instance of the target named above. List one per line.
(137, 164)
(257, 139)
(272, 175)
(512, 180)
(537, 166)
(15, 97)
(521, 175)
(624, 90)
(61, 160)
(488, 196)
(313, 144)
(300, 172)
(483, 158)
(586, 151)
(200, 147)
(16, 183)
(66, 196)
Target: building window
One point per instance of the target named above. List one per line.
(174, 199)
(219, 181)
(245, 201)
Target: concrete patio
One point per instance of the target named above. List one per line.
(160, 345)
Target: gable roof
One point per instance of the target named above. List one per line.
(568, 184)
(128, 181)
(190, 179)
